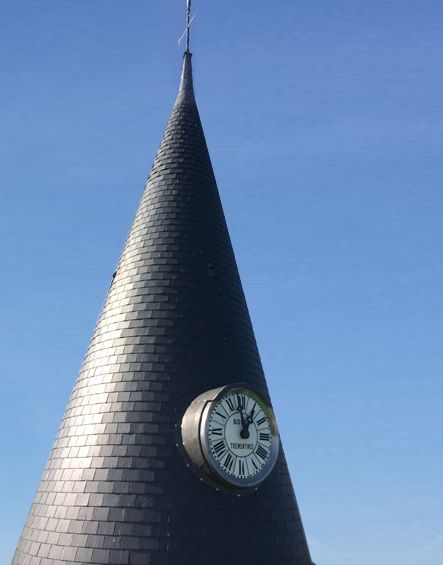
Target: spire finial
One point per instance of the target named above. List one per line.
(188, 24)
(187, 31)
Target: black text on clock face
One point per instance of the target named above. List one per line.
(239, 435)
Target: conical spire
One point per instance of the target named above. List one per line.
(116, 488)
(186, 90)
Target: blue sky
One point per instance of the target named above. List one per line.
(324, 121)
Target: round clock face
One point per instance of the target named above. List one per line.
(239, 437)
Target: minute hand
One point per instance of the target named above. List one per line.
(244, 424)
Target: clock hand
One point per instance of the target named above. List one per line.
(245, 426)
(251, 417)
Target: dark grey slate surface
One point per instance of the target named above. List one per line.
(175, 323)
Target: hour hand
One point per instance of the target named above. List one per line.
(251, 417)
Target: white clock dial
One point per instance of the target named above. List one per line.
(240, 437)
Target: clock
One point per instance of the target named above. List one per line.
(231, 435)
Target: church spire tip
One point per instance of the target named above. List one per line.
(186, 90)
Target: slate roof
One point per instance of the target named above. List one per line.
(116, 488)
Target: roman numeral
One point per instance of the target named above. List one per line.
(221, 415)
(241, 467)
(247, 467)
(261, 421)
(262, 453)
(264, 437)
(216, 432)
(230, 403)
(220, 447)
(241, 401)
(229, 461)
